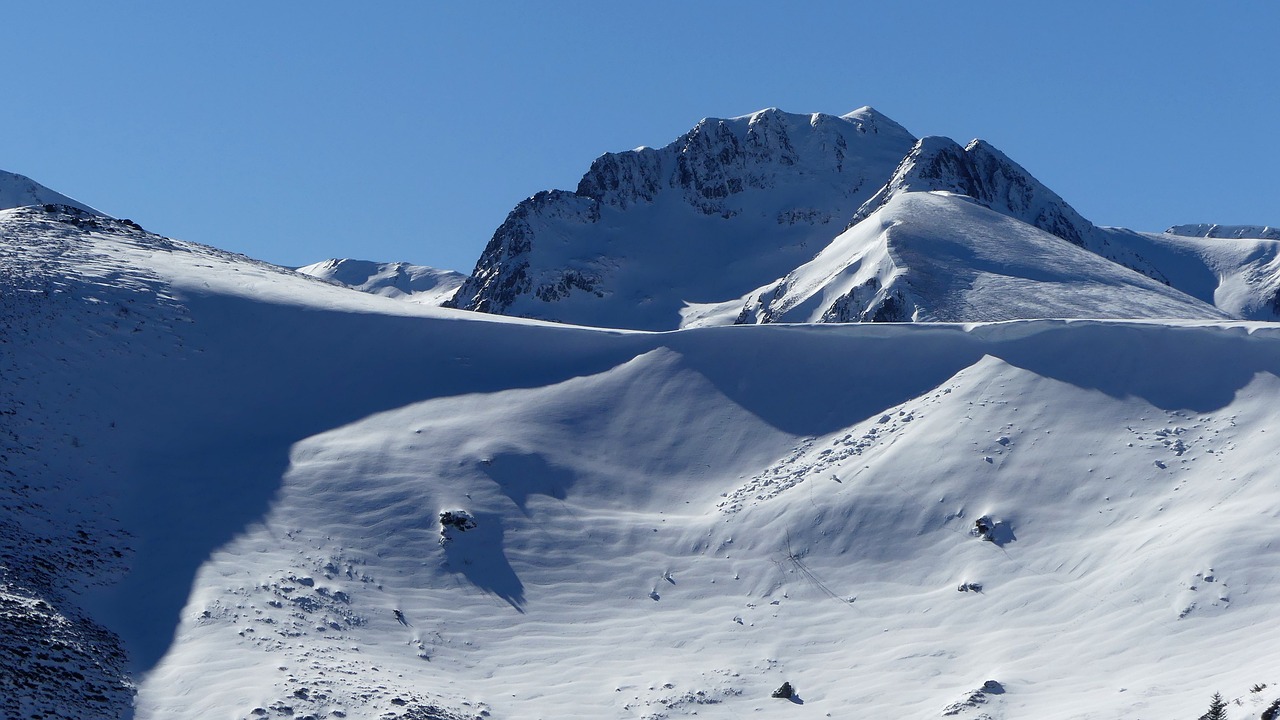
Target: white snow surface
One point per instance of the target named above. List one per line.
(402, 280)
(1257, 232)
(19, 191)
(939, 256)
(665, 524)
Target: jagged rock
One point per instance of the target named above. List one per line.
(786, 692)
(729, 205)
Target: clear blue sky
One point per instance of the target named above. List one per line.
(297, 131)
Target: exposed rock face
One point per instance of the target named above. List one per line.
(502, 274)
(987, 175)
(727, 206)
(980, 171)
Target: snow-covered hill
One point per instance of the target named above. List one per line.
(416, 283)
(248, 493)
(19, 190)
(939, 256)
(651, 233)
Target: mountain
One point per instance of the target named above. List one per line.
(232, 490)
(942, 257)
(1260, 232)
(980, 171)
(738, 221)
(20, 190)
(653, 236)
(1240, 275)
(417, 283)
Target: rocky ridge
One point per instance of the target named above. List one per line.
(762, 186)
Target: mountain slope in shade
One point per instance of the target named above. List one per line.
(939, 256)
(729, 206)
(637, 525)
(1239, 276)
(20, 190)
(417, 283)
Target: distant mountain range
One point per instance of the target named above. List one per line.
(417, 283)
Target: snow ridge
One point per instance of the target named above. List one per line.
(980, 171)
(942, 256)
(20, 191)
(1206, 230)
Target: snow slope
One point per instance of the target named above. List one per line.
(417, 283)
(664, 524)
(727, 207)
(20, 190)
(1240, 276)
(940, 256)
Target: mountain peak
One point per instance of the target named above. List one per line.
(980, 171)
(761, 189)
(874, 121)
(20, 191)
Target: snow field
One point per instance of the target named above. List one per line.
(607, 577)
(666, 524)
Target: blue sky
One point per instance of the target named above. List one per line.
(295, 131)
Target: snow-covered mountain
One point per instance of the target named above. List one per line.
(652, 235)
(19, 190)
(659, 239)
(232, 490)
(416, 283)
(1258, 232)
(939, 256)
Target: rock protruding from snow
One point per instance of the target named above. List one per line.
(1238, 232)
(987, 175)
(418, 283)
(980, 171)
(20, 191)
(728, 206)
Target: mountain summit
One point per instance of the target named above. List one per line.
(740, 221)
(20, 191)
(650, 234)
